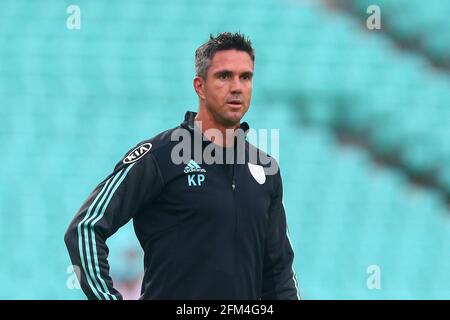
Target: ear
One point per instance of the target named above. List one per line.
(199, 86)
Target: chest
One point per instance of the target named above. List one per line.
(218, 191)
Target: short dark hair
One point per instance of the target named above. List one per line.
(224, 41)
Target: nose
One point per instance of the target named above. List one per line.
(236, 85)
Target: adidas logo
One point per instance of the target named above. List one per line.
(192, 166)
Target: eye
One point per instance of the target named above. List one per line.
(224, 76)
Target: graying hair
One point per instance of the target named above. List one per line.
(224, 41)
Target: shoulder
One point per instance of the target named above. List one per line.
(146, 151)
(149, 146)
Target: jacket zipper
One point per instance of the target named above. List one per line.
(233, 186)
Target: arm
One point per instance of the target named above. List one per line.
(111, 205)
(279, 282)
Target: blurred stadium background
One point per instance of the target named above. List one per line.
(364, 118)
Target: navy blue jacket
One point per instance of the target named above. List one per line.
(208, 231)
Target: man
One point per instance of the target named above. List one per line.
(209, 229)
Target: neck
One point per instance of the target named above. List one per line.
(206, 121)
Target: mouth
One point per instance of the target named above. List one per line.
(235, 103)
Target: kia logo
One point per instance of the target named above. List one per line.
(137, 153)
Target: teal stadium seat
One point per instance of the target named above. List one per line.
(72, 102)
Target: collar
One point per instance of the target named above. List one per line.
(189, 117)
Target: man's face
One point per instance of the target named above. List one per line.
(227, 90)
